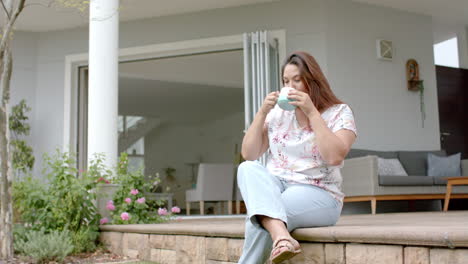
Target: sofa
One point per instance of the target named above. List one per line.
(362, 182)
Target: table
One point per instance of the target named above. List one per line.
(463, 180)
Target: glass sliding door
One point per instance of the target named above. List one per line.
(261, 72)
(82, 131)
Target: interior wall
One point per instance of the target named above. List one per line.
(176, 145)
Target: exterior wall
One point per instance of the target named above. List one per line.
(23, 82)
(387, 114)
(462, 37)
(199, 249)
(340, 33)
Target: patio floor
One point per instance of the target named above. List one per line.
(404, 234)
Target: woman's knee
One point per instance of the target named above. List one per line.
(246, 168)
(247, 165)
(314, 218)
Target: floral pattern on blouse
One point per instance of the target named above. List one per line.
(294, 154)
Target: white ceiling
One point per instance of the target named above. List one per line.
(447, 11)
(222, 69)
(38, 17)
(209, 84)
(187, 103)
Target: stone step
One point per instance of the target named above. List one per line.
(402, 238)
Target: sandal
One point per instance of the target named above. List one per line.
(292, 249)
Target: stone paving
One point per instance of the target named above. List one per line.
(402, 238)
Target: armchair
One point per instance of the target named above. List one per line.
(214, 183)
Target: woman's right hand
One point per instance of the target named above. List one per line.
(269, 102)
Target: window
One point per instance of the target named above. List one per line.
(446, 53)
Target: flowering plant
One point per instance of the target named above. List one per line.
(97, 169)
(129, 205)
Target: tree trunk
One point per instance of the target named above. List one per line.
(6, 208)
(12, 9)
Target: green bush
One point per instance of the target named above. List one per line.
(19, 234)
(129, 205)
(83, 239)
(44, 247)
(22, 153)
(65, 203)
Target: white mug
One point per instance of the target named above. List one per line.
(283, 101)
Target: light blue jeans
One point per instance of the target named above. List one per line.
(297, 205)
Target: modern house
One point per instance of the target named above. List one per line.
(179, 95)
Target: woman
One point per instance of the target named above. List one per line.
(301, 184)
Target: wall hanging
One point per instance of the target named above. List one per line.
(384, 49)
(415, 84)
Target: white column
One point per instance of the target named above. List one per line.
(103, 79)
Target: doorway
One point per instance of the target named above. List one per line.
(452, 96)
(174, 113)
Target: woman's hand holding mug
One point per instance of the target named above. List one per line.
(269, 102)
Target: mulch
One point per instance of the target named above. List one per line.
(99, 256)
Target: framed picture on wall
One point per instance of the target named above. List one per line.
(384, 49)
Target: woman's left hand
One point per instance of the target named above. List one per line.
(303, 101)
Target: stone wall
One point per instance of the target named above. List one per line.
(171, 249)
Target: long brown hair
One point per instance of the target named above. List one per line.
(315, 81)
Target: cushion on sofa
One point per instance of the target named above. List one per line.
(390, 167)
(415, 162)
(388, 180)
(449, 166)
(354, 153)
(440, 167)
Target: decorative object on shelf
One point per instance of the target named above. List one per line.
(384, 49)
(169, 171)
(193, 173)
(415, 84)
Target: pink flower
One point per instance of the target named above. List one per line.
(125, 216)
(175, 210)
(141, 200)
(128, 200)
(134, 191)
(107, 181)
(100, 179)
(110, 205)
(104, 221)
(162, 211)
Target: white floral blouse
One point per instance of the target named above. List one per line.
(294, 155)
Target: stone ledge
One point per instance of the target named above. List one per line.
(440, 229)
(210, 230)
(397, 236)
(196, 249)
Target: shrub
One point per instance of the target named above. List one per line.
(43, 247)
(22, 153)
(84, 239)
(129, 205)
(65, 203)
